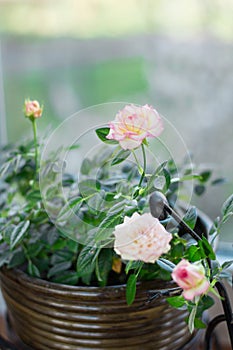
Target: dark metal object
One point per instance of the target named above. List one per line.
(159, 204)
(5, 345)
(210, 329)
(163, 208)
(228, 316)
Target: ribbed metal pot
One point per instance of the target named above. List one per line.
(53, 316)
(49, 316)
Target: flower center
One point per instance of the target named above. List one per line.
(183, 273)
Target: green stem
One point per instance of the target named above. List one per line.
(97, 270)
(35, 143)
(144, 165)
(138, 164)
(139, 269)
(25, 251)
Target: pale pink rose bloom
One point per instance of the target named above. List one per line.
(191, 278)
(33, 109)
(133, 124)
(141, 237)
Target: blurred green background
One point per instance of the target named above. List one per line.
(175, 55)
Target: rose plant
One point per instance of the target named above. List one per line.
(114, 238)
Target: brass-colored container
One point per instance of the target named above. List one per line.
(50, 316)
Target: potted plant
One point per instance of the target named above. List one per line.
(100, 263)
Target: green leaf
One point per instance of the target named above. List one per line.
(33, 270)
(218, 181)
(52, 191)
(112, 181)
(5, 257)
(86, 260)
(172, 166)
(86, 166)
(107, 226)
(206, 249)
(88, 187)
(227, 206)
(59, 268)
(191, 319)
(68, 180)
(190, 217)
(61, 256)
(157, 172)
(59, 244)
(209, 248)
(199, 324)
(199, 189)
(167, 180)
(202, 250)
(176, 301)
(205, 175)
(215, 227)
(72, 246)
(133, 265)
(205, 303)
(226, 275)
(17, 258)
(73, 147)
(69, 208)
(160, 182)
(131, 289)
(4, 168)
(69, 277)
(102, 135)
(194, 253)
(34, 195)
(95, 203)
(19, 233)
(121, 156)
(117, 208)
(7, 231)
(227, 264)
(187, 178)
(104, 266)
(160, 167)
(227, 217)
(177, 250)
(52, 236)
(86, 279)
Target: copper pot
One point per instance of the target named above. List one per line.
(50, 316)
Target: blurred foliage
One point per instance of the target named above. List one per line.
(92, 18)
(179, 77)
(100, 76)
(91, 83)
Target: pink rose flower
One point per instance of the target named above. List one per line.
(191, 278)
(133, 124)
(141, 237)
(32, 109)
